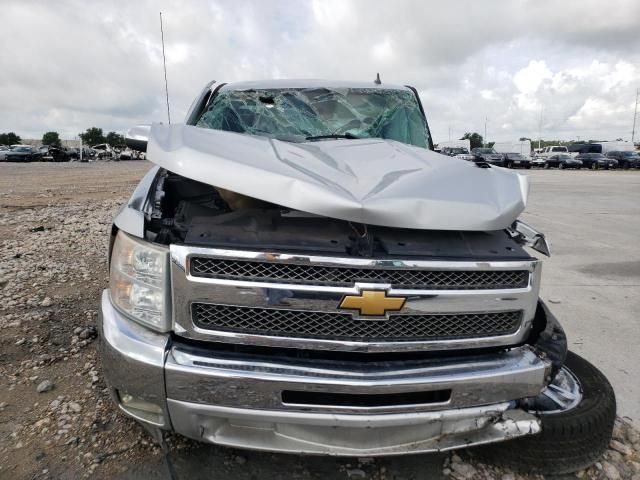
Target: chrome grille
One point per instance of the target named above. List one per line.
(339, 326)
(275, 272)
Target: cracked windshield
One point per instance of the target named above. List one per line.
(297, 115)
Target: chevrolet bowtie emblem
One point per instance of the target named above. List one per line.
(372, 302)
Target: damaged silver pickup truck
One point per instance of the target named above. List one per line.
(301, 272)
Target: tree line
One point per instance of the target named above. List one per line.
(91, 136)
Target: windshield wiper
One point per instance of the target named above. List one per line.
(348, 135)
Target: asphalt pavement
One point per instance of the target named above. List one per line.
(592, 280)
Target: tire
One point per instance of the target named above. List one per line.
(570, 440)
(561, 166)
(594, 166)
(509, 165)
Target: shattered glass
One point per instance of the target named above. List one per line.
(294, 114)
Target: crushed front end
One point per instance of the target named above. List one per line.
(298, 333)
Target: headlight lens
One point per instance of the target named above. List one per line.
(139, 281)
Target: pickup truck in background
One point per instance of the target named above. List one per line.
(300, 272)
(488, 155)
(547, 152)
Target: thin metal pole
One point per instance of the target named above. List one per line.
(540, 128)
(164, 62)
(485, 131)
(635, 115)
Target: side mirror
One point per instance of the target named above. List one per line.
(137, 137)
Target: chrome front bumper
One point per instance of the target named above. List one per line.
(230, 401)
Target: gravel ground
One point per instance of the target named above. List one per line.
(56, 420)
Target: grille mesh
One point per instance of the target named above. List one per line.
(339, 326)
(250, 270)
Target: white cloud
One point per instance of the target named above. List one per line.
(383, 50)
(487, 94)
(330, 13)
(531, 77)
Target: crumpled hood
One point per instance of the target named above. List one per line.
(372, 181)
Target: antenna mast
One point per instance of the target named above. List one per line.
(635, 115)
(164, 62)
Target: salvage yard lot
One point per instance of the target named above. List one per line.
(53, 225)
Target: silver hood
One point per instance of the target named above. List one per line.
(372, 181)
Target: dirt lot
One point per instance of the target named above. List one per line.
(53, 229)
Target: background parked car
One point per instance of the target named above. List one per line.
(516, 160)
(488, 155)
(23, 153)
(103, 150)
(3, 152)
(625, 159)
(453, 151)
(538, 162)
(466, 144)
(87, 153)
(73, 153)
(596, 161)
(462, 156)
(126, 154)
(562, 160)
(53, 153)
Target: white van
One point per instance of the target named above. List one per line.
(523, 147)
(601, 147)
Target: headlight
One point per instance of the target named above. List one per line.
(139, 281)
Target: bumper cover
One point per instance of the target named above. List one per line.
(239, 403)
(351, 435)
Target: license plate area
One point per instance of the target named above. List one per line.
(357, 400)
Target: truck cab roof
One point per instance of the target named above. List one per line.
(306, 83)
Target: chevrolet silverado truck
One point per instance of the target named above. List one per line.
(301, 272)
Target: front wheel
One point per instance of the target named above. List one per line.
(577, 412)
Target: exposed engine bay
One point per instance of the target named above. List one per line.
(186, 211)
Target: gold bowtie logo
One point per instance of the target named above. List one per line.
(372, 302)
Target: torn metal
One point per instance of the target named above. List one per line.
(548, 338)
(372, 181)
(528, 236)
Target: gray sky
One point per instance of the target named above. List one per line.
(68, 65)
